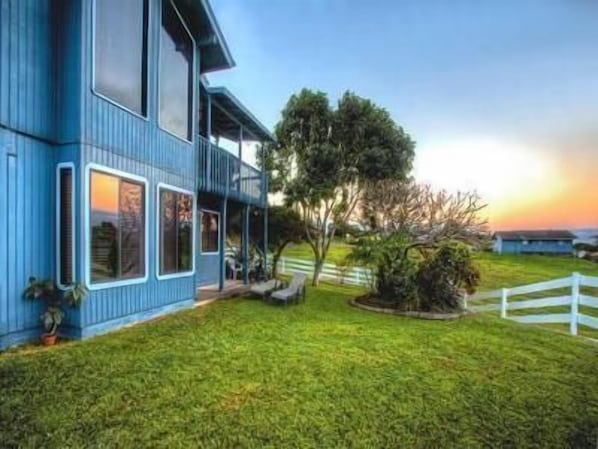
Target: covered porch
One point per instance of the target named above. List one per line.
(232, 196)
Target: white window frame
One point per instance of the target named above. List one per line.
(147, 68)
(164, 186)
(87, 232)
(194, 76)
(210, 253)
(59, 167)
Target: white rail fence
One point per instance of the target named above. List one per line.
(573, 301)
(331, 272)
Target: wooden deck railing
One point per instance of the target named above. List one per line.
(222, 172)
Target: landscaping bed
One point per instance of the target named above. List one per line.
(374, 304)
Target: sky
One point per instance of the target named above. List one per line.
(500, 96)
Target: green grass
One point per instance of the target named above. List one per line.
(337, 252)
(242, 373)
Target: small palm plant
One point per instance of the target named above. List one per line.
(47, 291)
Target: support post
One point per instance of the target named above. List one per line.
(209, 150)
(576, 280)
(240, 163)
(265, 203)
(245, 242)
(503, 303)
(266, 241)
(222, 244)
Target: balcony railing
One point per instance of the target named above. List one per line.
(222, 172)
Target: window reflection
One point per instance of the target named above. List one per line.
(176, 74)
(117, 220)
(120, 52)
(176, 232)
(209, 232)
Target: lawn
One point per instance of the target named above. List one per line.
(242, 373)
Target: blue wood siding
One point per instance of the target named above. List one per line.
(109, 126)
(27, 68)
(111, 303)
(50, 114)
(26, 227)
(534, 246)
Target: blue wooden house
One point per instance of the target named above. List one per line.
(110, 171)
(557, 242)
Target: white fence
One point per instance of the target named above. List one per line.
(573, 300)
(339, 274)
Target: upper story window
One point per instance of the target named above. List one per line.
(120, 53)
(176, 74)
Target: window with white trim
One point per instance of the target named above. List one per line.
(117, 222)
(175, 237)
(210, 232)
(65, 234)
(120, 52)
(176, 74)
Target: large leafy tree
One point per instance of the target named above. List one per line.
(326, 156)
(284, 226)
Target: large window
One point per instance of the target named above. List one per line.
(175, 235)
(120, 65)
(210, 235)
(176, 74)
(65, 224)
(117, 222)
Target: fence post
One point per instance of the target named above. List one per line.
(465, 300)
(576, 278)
(503, 303)
(282, 267)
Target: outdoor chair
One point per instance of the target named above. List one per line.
(295, 290)
(265, 289)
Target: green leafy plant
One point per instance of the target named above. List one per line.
(443, 276)
(393, 267)
(47, 291)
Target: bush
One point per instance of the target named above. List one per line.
(394, 270)
(443, 275)
(396, 282)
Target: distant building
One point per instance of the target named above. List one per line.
(533, 242)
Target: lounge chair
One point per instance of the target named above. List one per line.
(265, 289)
(295, 290)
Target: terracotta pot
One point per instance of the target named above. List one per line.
(48, 339)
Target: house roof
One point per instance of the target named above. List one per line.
(215, 54)
(229, 114)
(536, 235)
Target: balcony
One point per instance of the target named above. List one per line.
(220, 171)
(224, 174)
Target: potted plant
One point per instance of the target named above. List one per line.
(47, 291)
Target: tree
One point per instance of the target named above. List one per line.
(327, 156)
(426, 215)
(284, 226)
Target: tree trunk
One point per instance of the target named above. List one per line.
(319, 264)
(275, 259)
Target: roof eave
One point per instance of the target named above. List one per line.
(219, 90)
(227, 59)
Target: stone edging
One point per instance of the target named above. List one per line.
(420, 315)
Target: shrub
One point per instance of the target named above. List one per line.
(443, 275)
(394, 270)
(396, 282)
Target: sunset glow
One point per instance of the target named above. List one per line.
(524, 187)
